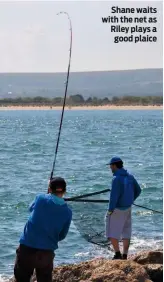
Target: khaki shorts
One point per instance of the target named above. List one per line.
(119, 224)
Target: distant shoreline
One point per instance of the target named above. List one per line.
(107, 107)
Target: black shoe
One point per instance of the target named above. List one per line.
(124, 256)
(117, 256)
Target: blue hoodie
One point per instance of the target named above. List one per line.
(125, 190)
(48, 223)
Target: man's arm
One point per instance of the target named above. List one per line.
(115, 193)
(137, 189)
(65, 229)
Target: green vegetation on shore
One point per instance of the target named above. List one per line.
(78, 100)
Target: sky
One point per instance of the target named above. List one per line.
(34, 39)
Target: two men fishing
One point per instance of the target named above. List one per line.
(50, 220)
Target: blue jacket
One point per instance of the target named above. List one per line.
(48, 223)
(125, 190)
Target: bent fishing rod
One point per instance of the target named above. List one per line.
(80, 198)
(65, 94)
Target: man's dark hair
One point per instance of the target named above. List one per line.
(119, 164)
(57, 185)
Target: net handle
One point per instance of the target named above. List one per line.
(80, 199)
(86, 195)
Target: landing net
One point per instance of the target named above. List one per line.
(89, 219)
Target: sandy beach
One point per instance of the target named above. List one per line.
(107, 107)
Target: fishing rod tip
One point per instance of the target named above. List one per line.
(62, 13)
(59, 13)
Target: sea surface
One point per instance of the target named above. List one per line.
(88, 140)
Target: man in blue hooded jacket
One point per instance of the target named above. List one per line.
(125, 190)
(48, 224)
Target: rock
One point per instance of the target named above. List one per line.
(155, 271)
(101, 270)
(149, 257)
(152, 262)
(143, 267)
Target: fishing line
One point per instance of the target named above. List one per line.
(65, 95)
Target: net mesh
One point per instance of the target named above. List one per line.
(89, 219)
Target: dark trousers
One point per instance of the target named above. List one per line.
(28, 259)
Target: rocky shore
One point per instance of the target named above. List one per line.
(142, 267)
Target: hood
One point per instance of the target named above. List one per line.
(121, 172)
(57, 200)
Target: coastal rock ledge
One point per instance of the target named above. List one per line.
(143, 267)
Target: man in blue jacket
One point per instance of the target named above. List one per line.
(48, 224)
(125, 190)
